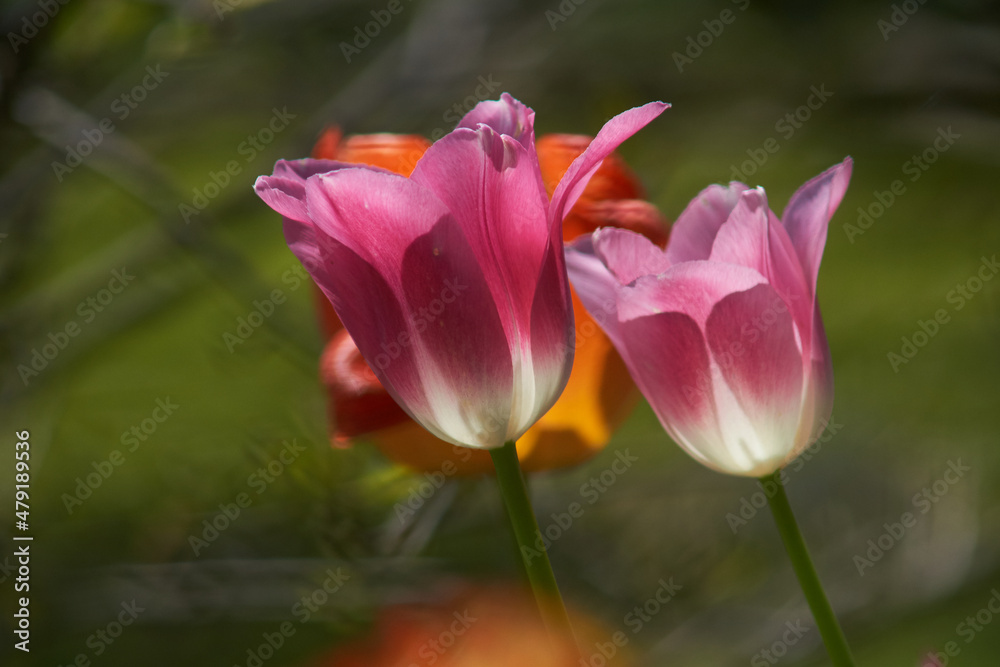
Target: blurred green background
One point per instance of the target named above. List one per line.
(212, 75)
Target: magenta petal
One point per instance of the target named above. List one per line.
(375, 213)
(596, 286)
(753, 237)
(374, 313)
(692, 236)
(285, 195)
(467, 372)
(669, 361)
(405, 282)
(303, 169)
(753, 343)
(614, 132)
(808, 214)
(818, 402)
(552, 335)
(491, 184)
(692, 288)
(285, 190)
(302, 241)
(628, 255)
(504, 116)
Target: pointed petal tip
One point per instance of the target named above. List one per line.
(754, 197)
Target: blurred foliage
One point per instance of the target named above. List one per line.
(227, 67)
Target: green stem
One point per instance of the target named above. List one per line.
(536, 561)
(826, 621)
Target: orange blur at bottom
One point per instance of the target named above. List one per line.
(488, 627)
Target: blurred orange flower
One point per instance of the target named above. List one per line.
(599, 394)
(488, 627)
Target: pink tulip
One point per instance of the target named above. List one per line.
(452, 281)
(722, 331)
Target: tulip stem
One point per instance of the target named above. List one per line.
(826, 620)
(535, 557)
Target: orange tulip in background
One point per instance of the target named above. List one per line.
(599, 393)
(487, 627)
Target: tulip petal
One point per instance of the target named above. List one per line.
(818, 402)
(374, 212)
(468, 373)
(692, 235)
(596, 287)
(628, 255)
(354, 289)
(491, 184)
(302, 241)
(753, 237)
(692, 288)
(307, 167)
(411, 293)
(670, 363)
(755, 349)
(614, 132)
(657, 324)
(285, 192)
(504, 116)
(807, 216)
(552, 334)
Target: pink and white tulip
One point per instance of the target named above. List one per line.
(722, 331)
(452, 282)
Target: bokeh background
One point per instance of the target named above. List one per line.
(213, 74)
